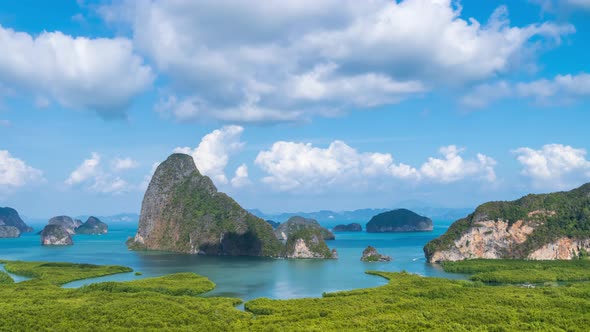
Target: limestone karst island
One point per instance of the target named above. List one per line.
(407, 165)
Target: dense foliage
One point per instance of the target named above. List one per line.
(400, 220)
(5, 278)
(407, 303)
(555, 215)
(413, 303)
(521, 271)
(60, 273)
(143, 305)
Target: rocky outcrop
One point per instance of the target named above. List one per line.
(486, 239)
(68, 223)
(7, 232)
(400, 220)
(562, 248)
(294, 224)
(93, 226)
(370, 254)
(538, 227)
(56, 235)
(9, 217)
(354, 227)
(308, 242)
(182, 211)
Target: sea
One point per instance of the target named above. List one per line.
(244, 277)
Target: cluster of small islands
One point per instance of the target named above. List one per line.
(541, 239)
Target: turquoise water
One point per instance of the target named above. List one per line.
(243, 277)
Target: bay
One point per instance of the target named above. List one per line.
(244, 277)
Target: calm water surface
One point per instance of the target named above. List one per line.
(242, 277)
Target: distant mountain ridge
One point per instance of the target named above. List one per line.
(332, 218)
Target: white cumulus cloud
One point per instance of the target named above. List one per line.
(121, 164)
(241, 177)
(16, 173)
(293, 166)
(454, 168)
(213, 152)
(561, 89)
(99, 74)
(554, 166)
(91, 174)
(289, 61)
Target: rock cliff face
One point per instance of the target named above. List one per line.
(68, 223)
(9, 217)
(354, 227)
(182, 211)
(294, 224)
(308, 242)
(544, 227)
(93, 226)
(370, 254)
(400, 220)
(9, 232)
(56, 235)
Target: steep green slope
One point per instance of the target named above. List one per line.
(182, 211)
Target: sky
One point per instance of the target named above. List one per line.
(293, 105)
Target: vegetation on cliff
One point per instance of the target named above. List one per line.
(554, 215)
(296, 223)
(400, 220)
(370, 254)
(353, 227)
(182, 211)
(93, 226)
(307, 242)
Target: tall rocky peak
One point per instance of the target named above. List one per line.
(182, 211)
(9, 217)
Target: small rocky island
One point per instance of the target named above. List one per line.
(68, 223)
(535, 227)
(297, 223)
(56, 235)
(305, 238)
(400, 220)
(370, 254)
(182, 211)
(11, 225)
(354, 227)
(93, 226)
(308, 242)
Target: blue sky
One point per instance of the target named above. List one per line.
(293, 105)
